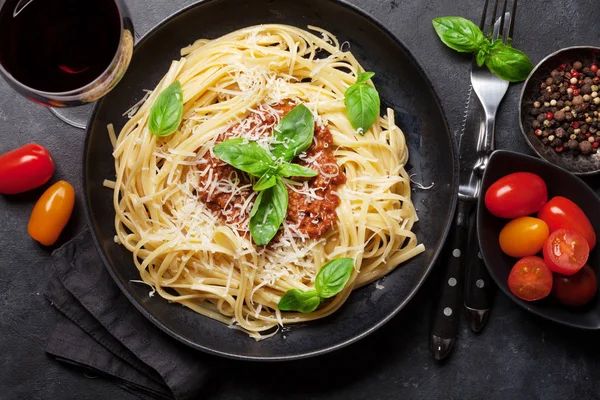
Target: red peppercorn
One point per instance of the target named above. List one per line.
(596, 79)
(595, 145)
(575, 125)
(562, 67)
(560, 148)
(572, 86)
(538, 132)
(594, 68)
(549, 116)
(575, 74)
(575, 92)
(588, 134)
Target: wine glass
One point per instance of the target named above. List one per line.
(64, 53)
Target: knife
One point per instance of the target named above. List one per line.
(450, 303)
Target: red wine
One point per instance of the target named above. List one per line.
(58, 45)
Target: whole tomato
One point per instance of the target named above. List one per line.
(561, 212)
(25, 168)
(575, 290)
(51, 213)
(523, 237)
(516, 195)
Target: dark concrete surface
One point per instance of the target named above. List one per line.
(517, 356)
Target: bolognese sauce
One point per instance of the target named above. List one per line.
(312, 201)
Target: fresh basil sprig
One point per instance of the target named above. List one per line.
(167, 111)
(293, 135)
(331, 279)
(362, 103)
(501, 59)
(508, 63)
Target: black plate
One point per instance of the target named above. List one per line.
(580, 164)
(402, 85)
(559, 183)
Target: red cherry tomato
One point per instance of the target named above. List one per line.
(530, 279)
(516, 195)
(560, 212)
(25, 168)
(576, 290)
(566, 251)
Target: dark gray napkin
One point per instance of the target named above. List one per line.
(100, 330)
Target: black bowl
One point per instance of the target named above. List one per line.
(560, 183)
(580, 164)
(402, 85)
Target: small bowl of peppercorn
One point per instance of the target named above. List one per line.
(559, 109)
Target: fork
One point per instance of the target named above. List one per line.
(475, 148)
(489, 90)
(488, 87)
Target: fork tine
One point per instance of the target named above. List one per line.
(503, 17)
(483, 15)
(493, 18)
(513, 16)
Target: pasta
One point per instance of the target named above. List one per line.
(201, 255)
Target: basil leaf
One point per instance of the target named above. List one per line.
(294, 134)
(297, 300)
(333, 276)
(256, 205)
(245, 156)
(459, 33)
(482, 53)
(269, 179)
(508, 63)
(167, 111)
(268, 213)
(362, 106)
(288, 170)
(363, 77)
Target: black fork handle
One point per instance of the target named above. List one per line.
(479, 287)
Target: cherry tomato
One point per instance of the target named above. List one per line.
(577, 289)
(560, 212)
(25, 168)
(566, 252)
(530, 279)
(523, 237)
(516, 195)
(51, 213)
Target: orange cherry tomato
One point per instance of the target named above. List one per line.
(530, 279)
(524, 237)
(51, 213)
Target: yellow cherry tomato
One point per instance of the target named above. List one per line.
(51, 213)
(523, 237)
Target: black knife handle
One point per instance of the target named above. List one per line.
(450, 301)
(478, 283)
